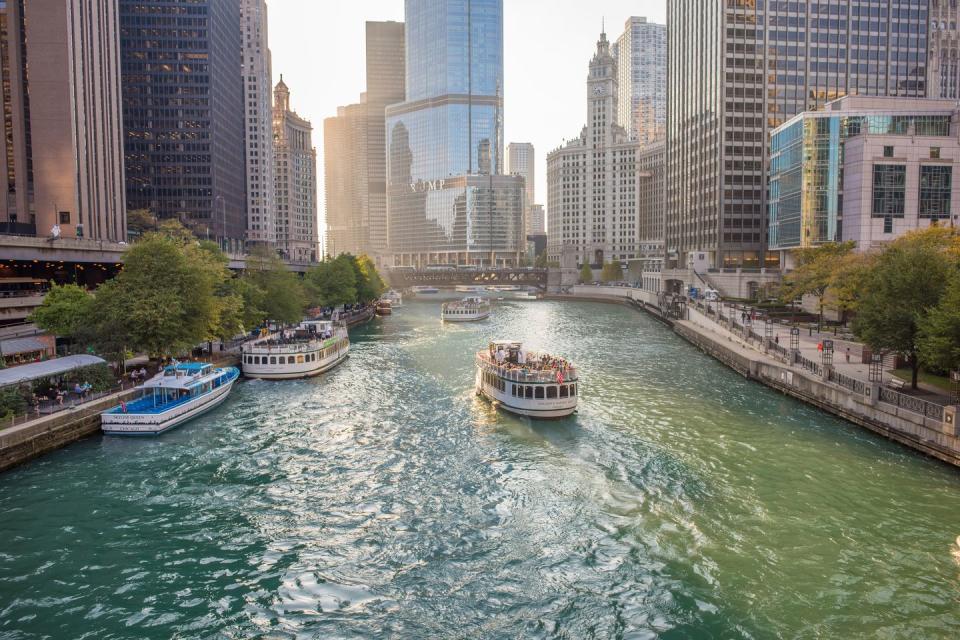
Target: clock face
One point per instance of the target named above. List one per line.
(598, 91)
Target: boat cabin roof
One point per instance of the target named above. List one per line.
(320, 325)
(181, 375)
(506, 344)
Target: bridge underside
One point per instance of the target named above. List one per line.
(528, 277)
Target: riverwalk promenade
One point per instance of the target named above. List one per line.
(925, 422)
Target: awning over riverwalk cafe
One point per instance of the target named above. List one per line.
(46, 369)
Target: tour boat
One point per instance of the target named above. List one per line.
(472, 290)
(526, 295)
(466, 310)
(537, 385)
(384, 307)
(394, 298)
(179, 393)
(426, 292)
(312, 348)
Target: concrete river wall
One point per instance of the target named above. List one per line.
(921, 425)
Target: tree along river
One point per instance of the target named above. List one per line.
(386, 500)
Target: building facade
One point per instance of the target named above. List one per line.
(522, 161)
(258, 101)
(651, 212)
(943, 66)
(61, 126)
(295, 175)
(536, 223)
(641, 53)
(449, 127)
(592, 180)
(864, 169)
(736, 71)
(183, 112)
(345, 163)
(386, 85)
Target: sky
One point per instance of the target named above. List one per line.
(318, 46)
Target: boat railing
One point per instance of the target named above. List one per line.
(523, 373)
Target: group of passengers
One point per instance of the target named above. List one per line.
(518, 359)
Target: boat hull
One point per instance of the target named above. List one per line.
(476, 318)
(295, 371)
(542, 409)
(142, 424)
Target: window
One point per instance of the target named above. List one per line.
(888, 225)
(888, 152)
(513, 390)
(935, 153)
(64, 217)
(889, 189)
(273, 360)
(564, 391)
(936, 185)
(551, 392)
(573, 390)
(528, 392)
(539, 393)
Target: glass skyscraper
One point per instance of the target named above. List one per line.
(737, 69)
(448, 128)
(183, 111)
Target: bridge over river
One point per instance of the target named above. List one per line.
(402, 278)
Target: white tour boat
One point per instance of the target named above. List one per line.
(466, 310)
(472, 290)
(179, 393)
(312, 348)
(537, 385)
(425, 293)
(394, 298)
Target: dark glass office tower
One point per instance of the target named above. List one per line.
(183, 112)
(448, 128)
(737, 69)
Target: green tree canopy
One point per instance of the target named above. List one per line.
(369, 284)
(161, 303)
(141, 221)
(906, 282)
(612, 272)
(940, 330)
(65, 311)
(586, 273)
(814, 272)
(334, 282)
(276, 291)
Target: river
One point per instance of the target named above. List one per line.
(385, 499)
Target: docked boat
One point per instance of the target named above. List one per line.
(466, 310)
(424, 292)
(531, 384)
(471, 290)
(526, 294)
(312, 348)
(384, 307)
(394, 297)
(179, 393)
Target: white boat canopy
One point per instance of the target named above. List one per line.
(47, 368)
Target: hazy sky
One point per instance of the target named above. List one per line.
(318, 46)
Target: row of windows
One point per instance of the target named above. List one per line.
(890, 186)
(539, 392)
(298, 359)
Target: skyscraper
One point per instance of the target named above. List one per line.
(591, 181)
(345, 162)
(258, 102)
(386, 82)
(641, 53)
(447, 132)
(61, 127)
(354, 151)
(521, 161)
(295, 176)
(739, 69)
(943, 66)
(183, 111)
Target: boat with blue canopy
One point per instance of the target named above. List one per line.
(181, 392)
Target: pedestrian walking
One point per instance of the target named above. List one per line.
(848, 355)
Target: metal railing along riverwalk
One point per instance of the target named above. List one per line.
(920, 406)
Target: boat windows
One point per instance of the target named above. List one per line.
(528, 392)
(539, 393)
(299, 359)
(564, 391)
(551, 393)
(273, 360)
(573, 390)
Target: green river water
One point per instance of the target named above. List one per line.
(385, 500)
